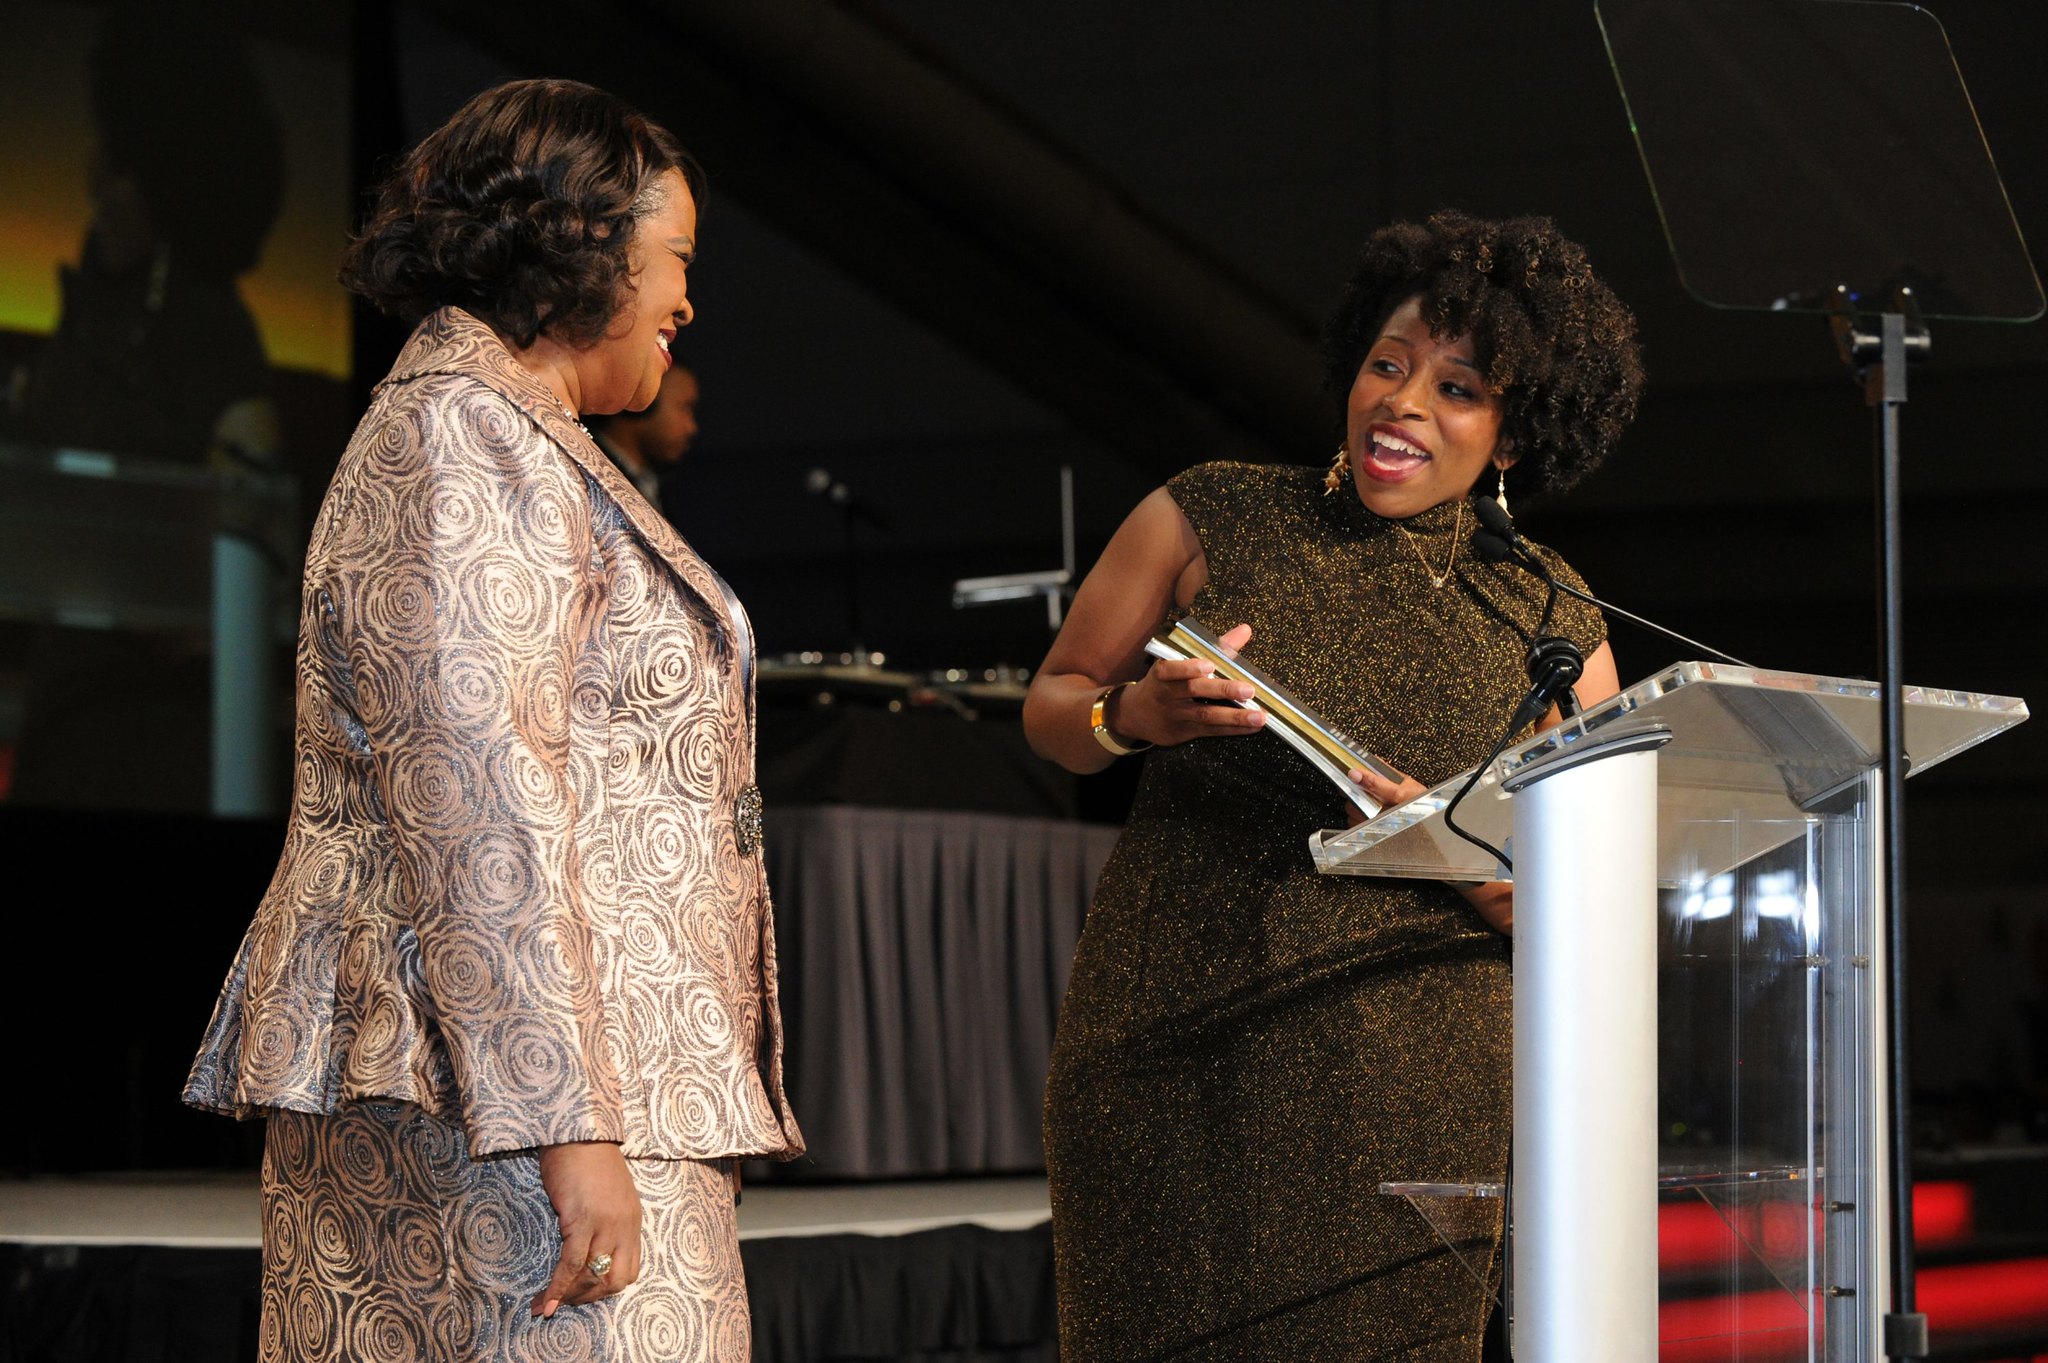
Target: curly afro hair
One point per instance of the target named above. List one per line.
(520, 210)
(1554, 342)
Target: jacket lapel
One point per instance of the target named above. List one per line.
(453, 341)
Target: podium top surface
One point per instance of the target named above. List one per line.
(1753, 760)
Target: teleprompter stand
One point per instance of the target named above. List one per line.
(1817, 155)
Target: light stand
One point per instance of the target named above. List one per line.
(1055, 585)
(852, 511)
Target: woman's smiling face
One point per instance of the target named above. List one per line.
(1421, 424)
(623, 370)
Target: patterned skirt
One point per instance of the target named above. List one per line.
(383, 1240)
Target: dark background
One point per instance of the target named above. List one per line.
(949, 248)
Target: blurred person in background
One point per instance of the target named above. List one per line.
(644, 445)
(155, 354)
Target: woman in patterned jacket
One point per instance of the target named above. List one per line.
(509, 1004)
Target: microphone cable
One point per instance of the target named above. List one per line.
(1554, 663)
(1497, 540)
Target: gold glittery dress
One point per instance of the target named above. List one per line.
(1248, 1049)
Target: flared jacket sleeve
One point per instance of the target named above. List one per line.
(465, 606)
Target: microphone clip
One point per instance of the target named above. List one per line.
(1554, 664)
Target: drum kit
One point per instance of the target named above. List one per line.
(859, 676)
(819, 680)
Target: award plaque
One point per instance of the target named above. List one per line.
(1328, 748)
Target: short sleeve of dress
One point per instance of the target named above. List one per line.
(1218, 499)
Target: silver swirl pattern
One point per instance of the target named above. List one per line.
(384, 1242)
(513, 891)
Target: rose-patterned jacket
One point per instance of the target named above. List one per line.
(521, 883)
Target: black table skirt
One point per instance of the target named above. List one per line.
(924, 956)
(961, 1294)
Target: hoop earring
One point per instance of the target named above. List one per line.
(1500, 494)
(1340, 471)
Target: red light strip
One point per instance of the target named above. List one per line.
(2009, 1295)
(1692, 1235)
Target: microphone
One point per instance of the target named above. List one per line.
(1554, 663)
(1496, 540)
(820, 483)
(1493, 517)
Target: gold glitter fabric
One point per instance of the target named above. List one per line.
(1247, 1049)
(384, 1242)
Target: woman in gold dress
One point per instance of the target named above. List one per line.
(509, 1004)
(1247, 1048)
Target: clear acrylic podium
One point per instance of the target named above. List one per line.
(171, 552)
(1700, 1016)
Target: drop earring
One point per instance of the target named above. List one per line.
(1340, 469)
(1500, 493)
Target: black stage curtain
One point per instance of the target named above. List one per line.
(924, 958)
(127, 1304)
(958, 1294)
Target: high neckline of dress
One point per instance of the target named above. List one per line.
(1434, 524)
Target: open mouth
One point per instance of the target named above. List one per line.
(662, 338)
(1391, 457)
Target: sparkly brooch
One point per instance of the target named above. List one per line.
(746, 819)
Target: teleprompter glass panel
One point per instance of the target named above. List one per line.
(1797, 145)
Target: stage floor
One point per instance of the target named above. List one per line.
(220, 1211)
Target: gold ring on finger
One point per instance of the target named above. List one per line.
(599, 1265)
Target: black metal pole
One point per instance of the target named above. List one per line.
(855, 645)
(1905, 1330)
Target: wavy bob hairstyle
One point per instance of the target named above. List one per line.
(520, 210)
(1555, 344)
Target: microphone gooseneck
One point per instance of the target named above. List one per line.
(1498, 541)
(1554, 663)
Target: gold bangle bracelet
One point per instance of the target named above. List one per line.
(1098, 720)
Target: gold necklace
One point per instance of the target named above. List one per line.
(1437, 579)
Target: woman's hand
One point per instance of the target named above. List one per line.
(1180, 699)
(599, 1210)
(1152, 568)
(1388, 793)
(1495, 900)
